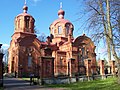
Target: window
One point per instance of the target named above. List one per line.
(27, 23)
(59, 30)
(60, 62)
(53, 31)
(29, 61)
(83, 53)
(67, 28)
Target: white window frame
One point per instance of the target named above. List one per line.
(59, 30)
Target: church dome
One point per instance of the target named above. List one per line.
(24, 22)
(61, 27)
(62, 21)
(61, 12)
(25, 8)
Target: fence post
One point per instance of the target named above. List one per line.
(112, 65)
(101, 65)
(88, 68)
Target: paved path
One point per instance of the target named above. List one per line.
(18, 84)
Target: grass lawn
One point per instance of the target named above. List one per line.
(26, 79)
(107, 84)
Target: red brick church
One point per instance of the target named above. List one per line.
(60, 55)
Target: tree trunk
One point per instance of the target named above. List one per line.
(111, 39)
(105, 30)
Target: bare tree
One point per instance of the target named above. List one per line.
(97, 22)
(111, 38)
(104, 21)
(105, 28)
(42, 37)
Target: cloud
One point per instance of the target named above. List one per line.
(36, 1)
(5, 46)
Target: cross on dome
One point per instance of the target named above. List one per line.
(60, 5)
(25, 2)
(61, 12)
(25, 8)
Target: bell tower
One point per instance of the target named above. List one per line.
(21, 44)
(61, 28)
(24, 22)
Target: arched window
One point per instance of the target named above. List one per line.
(83, 53)
(29, 61)
(59, 30)
(67, 28)
(61, 63)
(27, 23)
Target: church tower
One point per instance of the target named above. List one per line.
(22, 50)
(24, 22)
(61, 28)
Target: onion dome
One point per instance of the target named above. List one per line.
(25, 9)
(61, 13)
(61, 27)
(24, 22)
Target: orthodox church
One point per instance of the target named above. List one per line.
(60, 55)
